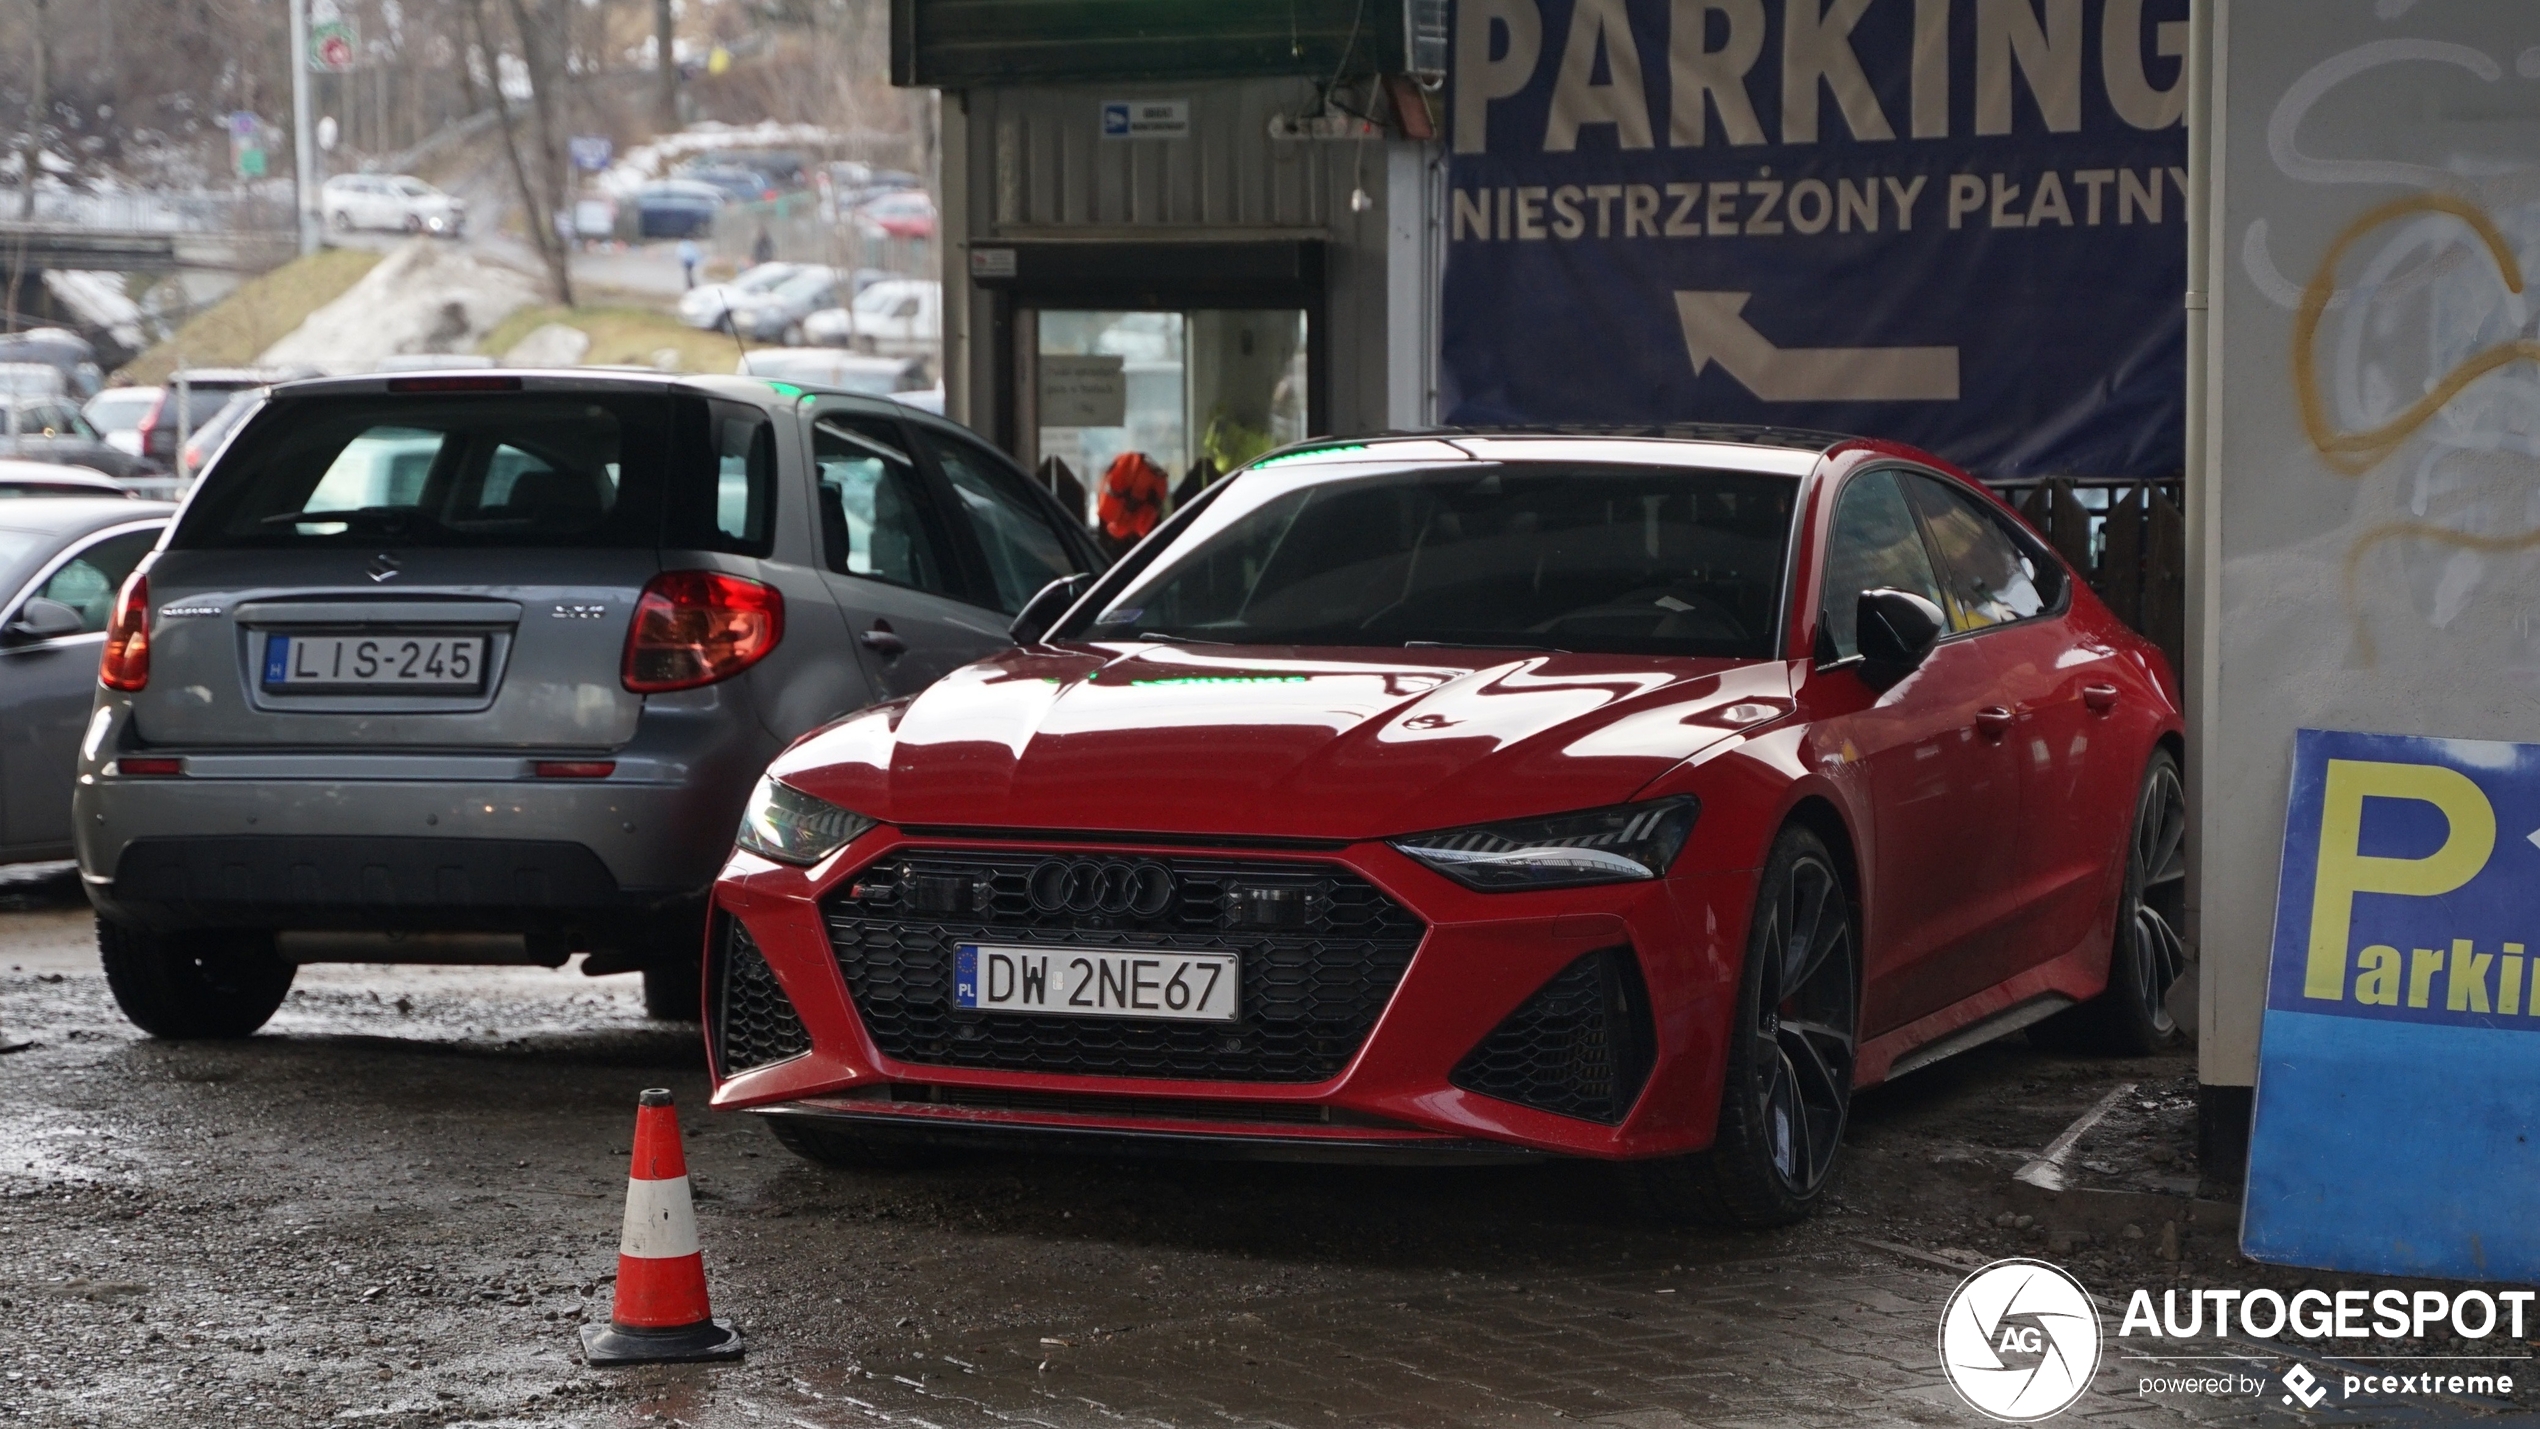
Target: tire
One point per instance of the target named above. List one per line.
(213, 983)
(1788, 1086)
(843, 1150)
(342, 219)
(2132, 1018)
(674, 988)
(793, 335)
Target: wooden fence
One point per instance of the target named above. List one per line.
(2127, 538)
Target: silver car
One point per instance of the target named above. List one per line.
(62, 558)
(434, 657)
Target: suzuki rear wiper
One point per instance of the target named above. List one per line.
(366, 515)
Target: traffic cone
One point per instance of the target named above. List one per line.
(660, 1315)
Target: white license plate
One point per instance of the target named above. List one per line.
(1072, 982)
(405, 662)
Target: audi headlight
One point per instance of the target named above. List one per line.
(784, 823)
(1623, 844)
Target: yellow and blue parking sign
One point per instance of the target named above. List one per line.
(2399, 1063)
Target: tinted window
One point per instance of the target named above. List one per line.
(1024, 553)
(1875, 545)
(744, 483)
(1990, 579)
(451, 470)
(1655, 560)
(873, 510)
(88, 582)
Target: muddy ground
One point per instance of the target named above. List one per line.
(395, 1204)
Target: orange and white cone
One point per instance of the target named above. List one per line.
(660, 1314)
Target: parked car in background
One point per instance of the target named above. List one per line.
(502, 653)
(776, 314)
(51, 430)
(32, 379)
(117, 414)
(205, 443)
(395, 202)
(898, 317)
(594, 217)
(35, 478)
(738, 184)
(207, 390)
(707, 305)
(836, 367)
(907, 213)
(61, 562)
(1621, 798)
(676, 208)
(783, 168)
(61, 349)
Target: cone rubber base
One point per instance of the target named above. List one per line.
(605, 1344)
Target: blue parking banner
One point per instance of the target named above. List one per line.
(2398, 1102)
(1961, 225)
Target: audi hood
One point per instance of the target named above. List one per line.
(1278, 742)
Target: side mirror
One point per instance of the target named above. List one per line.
(42, 619)
(1896, 630)
(1046, 606)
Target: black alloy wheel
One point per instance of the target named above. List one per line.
(1788, 1087)
(2132, 1018)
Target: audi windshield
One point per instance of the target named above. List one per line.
(1569, 556)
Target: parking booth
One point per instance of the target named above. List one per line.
(1194, 236)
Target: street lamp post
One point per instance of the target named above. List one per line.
(303, 155)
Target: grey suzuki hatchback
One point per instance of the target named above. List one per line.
(480, 667)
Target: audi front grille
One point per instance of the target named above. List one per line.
(1321, 948)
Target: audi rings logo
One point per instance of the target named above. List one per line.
(2019, 1341)
(1115, 887)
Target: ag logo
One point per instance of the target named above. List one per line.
(2019, 1341)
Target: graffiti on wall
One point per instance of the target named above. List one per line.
(2415, 367)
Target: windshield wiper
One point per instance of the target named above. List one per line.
(1483, 645)
(364, 515)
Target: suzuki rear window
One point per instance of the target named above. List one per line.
(499, 469)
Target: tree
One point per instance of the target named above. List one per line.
(541, 176)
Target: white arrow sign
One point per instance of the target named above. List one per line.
(1715, 330)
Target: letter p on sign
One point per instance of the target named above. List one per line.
(2344, 870)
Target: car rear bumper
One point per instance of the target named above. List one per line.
(462, 855)
(1407, 1090)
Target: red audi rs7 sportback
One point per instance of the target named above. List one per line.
(1473, 797)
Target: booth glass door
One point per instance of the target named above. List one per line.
(1216, 384)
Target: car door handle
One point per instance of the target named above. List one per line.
(882, 642)
(1993, 721)
(2100, 698)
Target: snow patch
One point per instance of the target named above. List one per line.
(428, 296)
(549, 345)
(98, 301)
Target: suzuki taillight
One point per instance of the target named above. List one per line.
(696, 627)
(126, 665)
